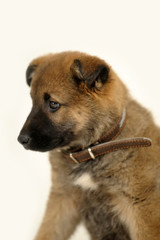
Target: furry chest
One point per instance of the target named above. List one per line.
(99, 218)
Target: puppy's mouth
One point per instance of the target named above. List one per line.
(43, 143)
(39, 133)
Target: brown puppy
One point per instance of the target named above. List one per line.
(115, 187)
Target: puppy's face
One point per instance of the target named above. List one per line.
(72, 95)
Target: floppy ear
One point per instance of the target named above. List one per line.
(92, 71)
(30, 73)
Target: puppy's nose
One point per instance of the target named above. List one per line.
(24, 139)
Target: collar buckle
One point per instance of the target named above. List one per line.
(91, 153)
(73, 158)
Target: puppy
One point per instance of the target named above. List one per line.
(103, 148)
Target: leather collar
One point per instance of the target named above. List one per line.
(107, 144)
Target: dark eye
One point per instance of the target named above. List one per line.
(54, 106)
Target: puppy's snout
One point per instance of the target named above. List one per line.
(24, 139)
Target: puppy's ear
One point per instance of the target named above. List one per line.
(30, 73)
(32, 68)
(91, 70)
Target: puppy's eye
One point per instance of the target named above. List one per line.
(54, 106)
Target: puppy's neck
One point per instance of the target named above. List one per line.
(106, 136)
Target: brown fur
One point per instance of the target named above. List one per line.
(125, 203)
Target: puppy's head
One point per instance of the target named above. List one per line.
(75, 99)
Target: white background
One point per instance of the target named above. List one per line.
(126, 33)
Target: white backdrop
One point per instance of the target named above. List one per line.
(126, 33)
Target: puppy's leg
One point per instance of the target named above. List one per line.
(60, 219)
(149, 220)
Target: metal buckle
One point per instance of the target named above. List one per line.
(91, 153)
(75, 160)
